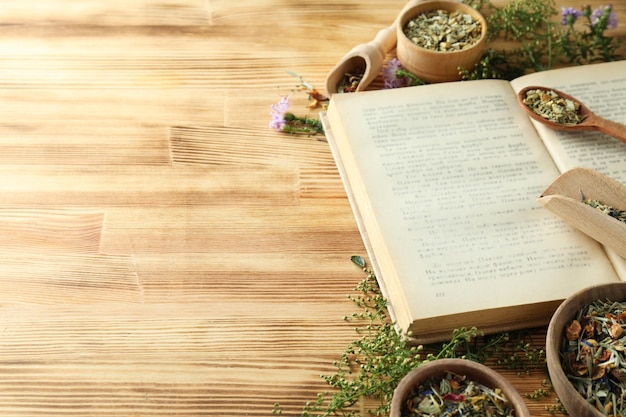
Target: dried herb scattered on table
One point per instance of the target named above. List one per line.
(594, 355)
(453, 395)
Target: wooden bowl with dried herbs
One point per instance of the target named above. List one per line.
(586, 351)
(456, 387)
(436, 38)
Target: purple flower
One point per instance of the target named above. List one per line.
(606, 12)
(278, 111)
(390, 76)
(569, 15)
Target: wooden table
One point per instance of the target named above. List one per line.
(163, 252)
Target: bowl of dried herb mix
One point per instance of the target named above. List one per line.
(586, 351)
(437, 38)
(456, 387)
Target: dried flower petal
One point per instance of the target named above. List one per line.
(616, 331)
(572, 332)
(598, 372)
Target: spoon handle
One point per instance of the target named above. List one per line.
(386, 39)
(367, 57)
(617, 130)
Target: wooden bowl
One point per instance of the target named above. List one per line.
(436, 66)
(473, 370)
(573, 402)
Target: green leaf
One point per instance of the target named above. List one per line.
(358, 260)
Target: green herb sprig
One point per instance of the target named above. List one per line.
(590, 44)
(373, 364)
(540, 41)
(526, 36)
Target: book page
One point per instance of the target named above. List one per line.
(448, 180)
(602, 87)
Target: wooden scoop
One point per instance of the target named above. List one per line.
(367, 58)
(591, 120)
(564, 198)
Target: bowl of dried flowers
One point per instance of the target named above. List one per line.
(436, 38)
(456, 387)
(586, 351)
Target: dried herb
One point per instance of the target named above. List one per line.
(349, 82)
(606, 209)
(554, 108)
(444, 31)
(594, 357)
(453, 395)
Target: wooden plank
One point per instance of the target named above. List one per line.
(160, 360)
(67, 279)
(137, 185)
(275, 227)
(208, 145)
(57, 230)
(108, 13)
(262, 277)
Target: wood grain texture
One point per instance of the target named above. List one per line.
(162, 251)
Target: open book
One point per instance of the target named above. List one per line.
(443, 181)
